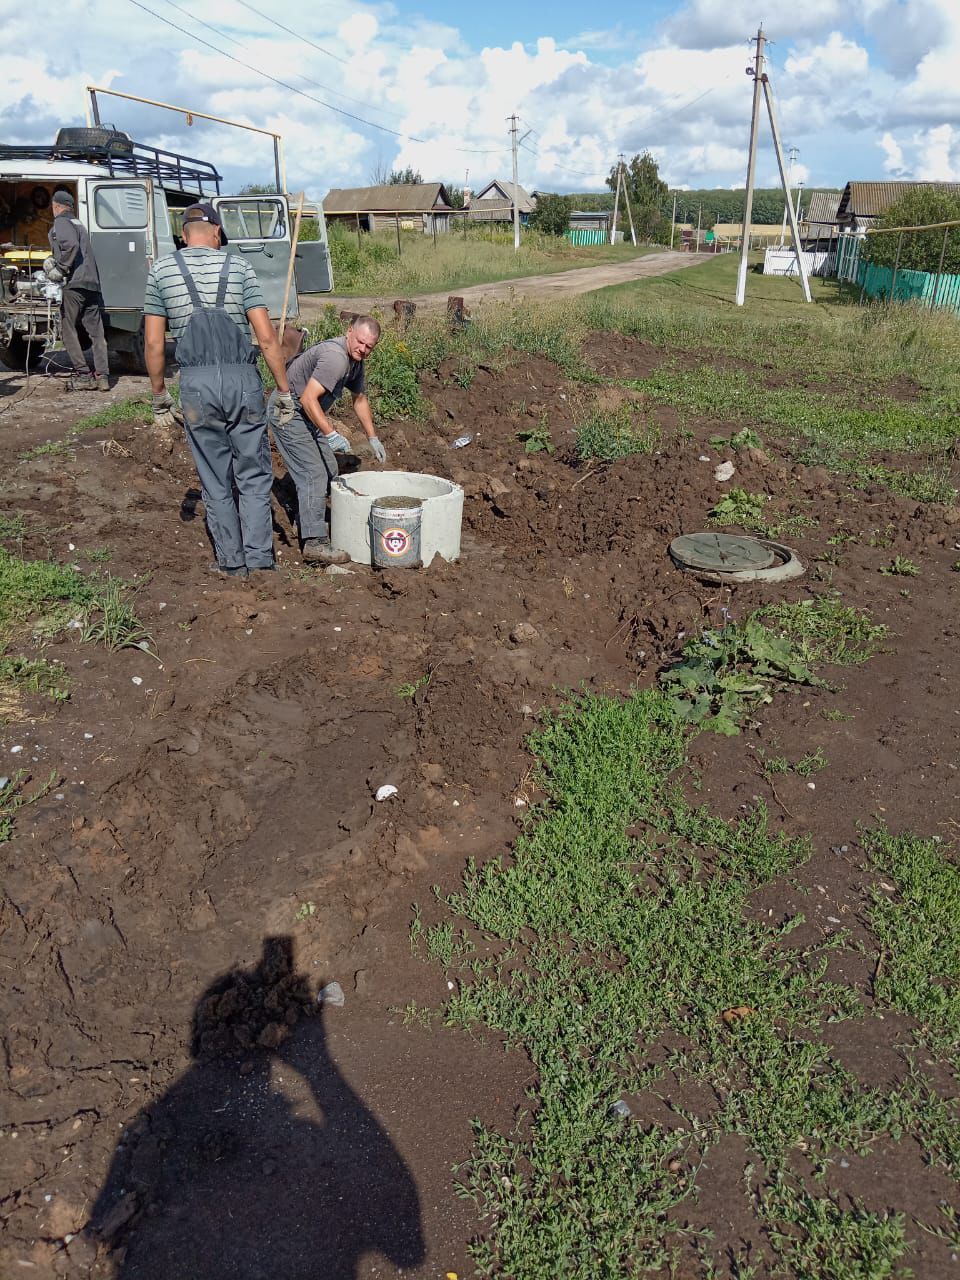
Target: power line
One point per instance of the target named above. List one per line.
(306, 80)
(319, 47)
(349, 115)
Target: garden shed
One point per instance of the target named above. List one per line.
(415, 205)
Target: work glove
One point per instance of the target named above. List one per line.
(377, 449)
(284, 410)
(165, 413)
(52, 271)
(337, 442)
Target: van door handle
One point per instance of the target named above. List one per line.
(251, 248)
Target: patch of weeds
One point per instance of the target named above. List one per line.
(615, 433)
(841, 538)
(835, 714)
(620, 918)
(36, 675)
(745, 438)
(537, 439)
(409, 688)
(739, 507)
(14, 797)
(727, 674)
(805, 767)
(12, 526)
(824, 1239)
(956, 566)
(123, 411)
(949, 1230)
(49, 449)
(97, 555)
(416, 1015)
(900, 566)
(918, 932)
(883, 537)
(305, 911)
(112, 622)
(826, 631)
(921, 486)
(392, 373)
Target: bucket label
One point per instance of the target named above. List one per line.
(395, 542)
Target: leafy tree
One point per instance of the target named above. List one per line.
(404, 177)
(919, 250)
(456, 195)
(552, 214)
(258, 189)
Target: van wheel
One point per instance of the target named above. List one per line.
(13, 355)
(129, 351)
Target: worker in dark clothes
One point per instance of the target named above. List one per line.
(211, 300)
(308, 440)
(82, 304)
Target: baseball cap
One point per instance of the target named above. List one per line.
(205, 213)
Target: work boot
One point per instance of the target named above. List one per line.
(319, 551)
(81, 382)
(222, 571)
(102, 381)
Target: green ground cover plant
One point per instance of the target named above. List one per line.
(621, 922)
(130, 410)
(607, 434)
(14, 796)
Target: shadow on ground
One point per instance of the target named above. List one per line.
(260, 1163)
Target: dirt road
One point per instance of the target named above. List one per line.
(560, 284)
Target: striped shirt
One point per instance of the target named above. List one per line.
(166, 293)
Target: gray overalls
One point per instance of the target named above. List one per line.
(223, 408)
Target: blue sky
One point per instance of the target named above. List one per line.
(865, 88)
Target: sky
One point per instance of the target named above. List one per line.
(865, 89)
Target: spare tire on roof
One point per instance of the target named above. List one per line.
(103, 140)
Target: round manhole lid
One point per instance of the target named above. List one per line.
(721, 552)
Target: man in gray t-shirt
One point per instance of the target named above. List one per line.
(308, 442)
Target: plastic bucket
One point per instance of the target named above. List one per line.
(395, 532)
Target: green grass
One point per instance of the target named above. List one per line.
(620, 920)
(824, 630)
(14, 796)
(12, 527)
(35, 675)
(122, 411)
(607, 434)
(47, 597)
(373, 267)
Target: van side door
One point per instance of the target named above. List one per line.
(258, 227)
(120, 219)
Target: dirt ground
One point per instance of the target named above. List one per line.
(560, 284)
(213, 855)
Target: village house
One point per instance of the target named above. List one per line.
(413, 206)
(494, 203)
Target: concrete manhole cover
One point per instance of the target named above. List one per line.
(721, 552)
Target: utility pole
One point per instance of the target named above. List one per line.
(699, 219)
(756, 71)
(793, 157)
(626, 201)
(516, 183)
(673, 220)
(775, 131)
(616, 207)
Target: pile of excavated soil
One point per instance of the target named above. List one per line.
(212, 854)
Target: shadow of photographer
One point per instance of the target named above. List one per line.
(260, 1162)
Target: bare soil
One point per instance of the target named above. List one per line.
(213, 855)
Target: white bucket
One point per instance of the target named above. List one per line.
(352, 496)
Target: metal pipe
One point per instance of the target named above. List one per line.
(169, 106)
(276, 163)
(396, 218)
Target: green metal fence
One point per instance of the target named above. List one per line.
(586, 235)
(910, 286)
(925, 287)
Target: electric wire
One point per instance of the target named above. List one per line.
(306, 80)
(283, 84)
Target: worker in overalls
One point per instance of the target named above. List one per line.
(210, 300)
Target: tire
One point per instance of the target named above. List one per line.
(102, 141)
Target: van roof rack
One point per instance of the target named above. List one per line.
(174, 172)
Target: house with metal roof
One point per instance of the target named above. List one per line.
(862, 203)
(819, 227)
(494, 203)
(411, 205)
